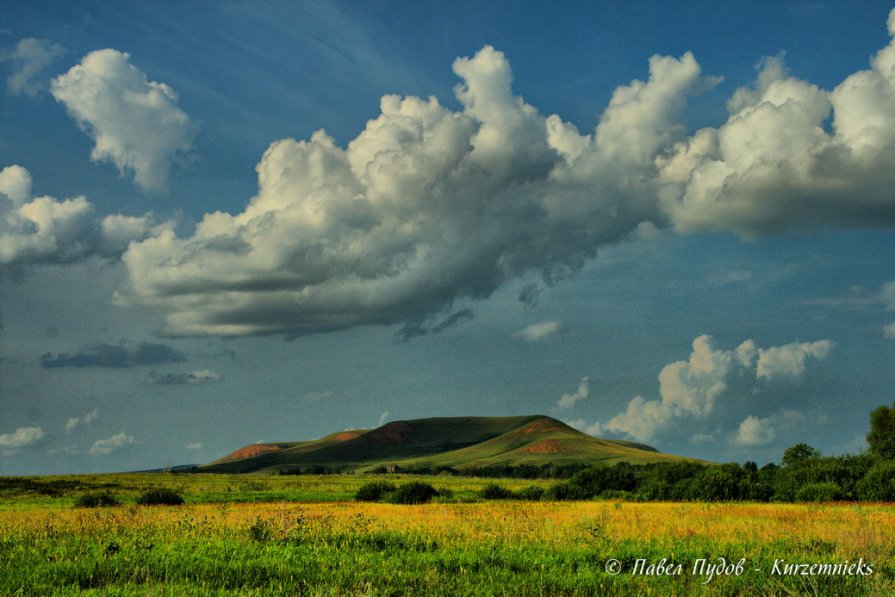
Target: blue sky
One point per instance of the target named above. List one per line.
(223, 223)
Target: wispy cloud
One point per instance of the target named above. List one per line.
(30, 57)
(567, 400)
(104, 447)
(540, 331)
(192, 378)
(730, 277)
(86, 420)
(888, 293)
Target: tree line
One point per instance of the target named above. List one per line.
(803, 475)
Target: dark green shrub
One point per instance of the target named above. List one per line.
(597, 479)
(160, 496)
(412, 493)
(260, 530)
(493, 491)
(532, 493)
(95, 500)
(720, 483)
(444, 493)
(654, 489)
(373, 491)
(819, 492)
(565, 491)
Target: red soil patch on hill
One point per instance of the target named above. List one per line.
(345, 436)
(545, 446)
(541, 426)
(393, 433)
(251, 451)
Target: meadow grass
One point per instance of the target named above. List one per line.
(299, 546)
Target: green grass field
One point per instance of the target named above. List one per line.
(248, 535)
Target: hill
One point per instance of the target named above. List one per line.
(458, 442)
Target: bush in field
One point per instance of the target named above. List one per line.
(95, 500)
(819, 492)
(374, 491)
(532, 493)
(444, 493)
(493, 491)
(160, 496)
(412, 493)
(565, 491)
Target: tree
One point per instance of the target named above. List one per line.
(881, 437)
(799, 453)
(878, 484)
(720, 483)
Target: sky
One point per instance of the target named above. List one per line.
(224, 223)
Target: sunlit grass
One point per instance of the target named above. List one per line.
(214, 547)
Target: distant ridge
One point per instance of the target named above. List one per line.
(458, 442)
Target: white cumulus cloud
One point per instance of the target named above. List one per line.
(755, 432)
(23, 437)
(690, 389)
(36, 230)
(136, 123)
(426, 205)
(773, 165)
(104, 447)
(789, 361)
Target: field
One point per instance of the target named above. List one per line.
(243, 535)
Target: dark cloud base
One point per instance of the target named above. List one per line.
(115, 356)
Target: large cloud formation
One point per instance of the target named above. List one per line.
(41, 230)
(136, 123)
(427, 205)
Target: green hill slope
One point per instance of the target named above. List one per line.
(459, 442)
